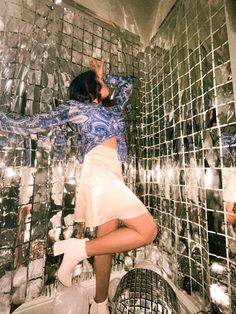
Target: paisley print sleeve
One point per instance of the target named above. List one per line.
(25, 125)
(125, 87)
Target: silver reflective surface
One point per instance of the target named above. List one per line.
(144, 291)
(44, 44)
(188, 149)
(181, 138)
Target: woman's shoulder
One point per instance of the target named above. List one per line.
(78, 103)
(73, 102)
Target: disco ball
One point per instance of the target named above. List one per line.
(144, 291)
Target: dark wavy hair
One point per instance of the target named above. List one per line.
(86, 88)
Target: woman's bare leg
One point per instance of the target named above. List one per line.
(102, 263)
(231, 216)
(138, 231)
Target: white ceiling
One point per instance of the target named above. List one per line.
(142, 17)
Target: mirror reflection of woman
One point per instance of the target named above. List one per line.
(103, 199)
(228, 140)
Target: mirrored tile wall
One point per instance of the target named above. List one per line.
(43, 46)
(188, 141)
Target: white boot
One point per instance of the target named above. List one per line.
(74, 252)
(99, 308)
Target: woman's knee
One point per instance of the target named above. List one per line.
(144, 225)
(150, 233)
(151, 229)
(148, 230)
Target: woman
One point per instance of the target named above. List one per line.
(103, 199)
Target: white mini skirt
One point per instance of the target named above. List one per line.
(229, 186)
(102, 194)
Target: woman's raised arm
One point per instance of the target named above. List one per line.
(124, 83)
(125, 87)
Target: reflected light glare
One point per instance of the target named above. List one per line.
(1, 25)
(158, 176)
(22, 86)
(132, 171)
(148, 175)
(8, 85)
(10, 172)
(170, 173)
(217, 268)
(27, 229)
(198, 173)
(209, 178)
(141, 174)
(45, 54)
(60, 169)
(219, 295)
(58, 1)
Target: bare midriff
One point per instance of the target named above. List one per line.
(110, 142)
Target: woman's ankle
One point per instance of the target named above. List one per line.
(100, 299)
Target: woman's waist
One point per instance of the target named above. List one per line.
(118, 151)
(110, 142)
(102, 151)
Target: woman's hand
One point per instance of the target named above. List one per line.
(97, 68)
